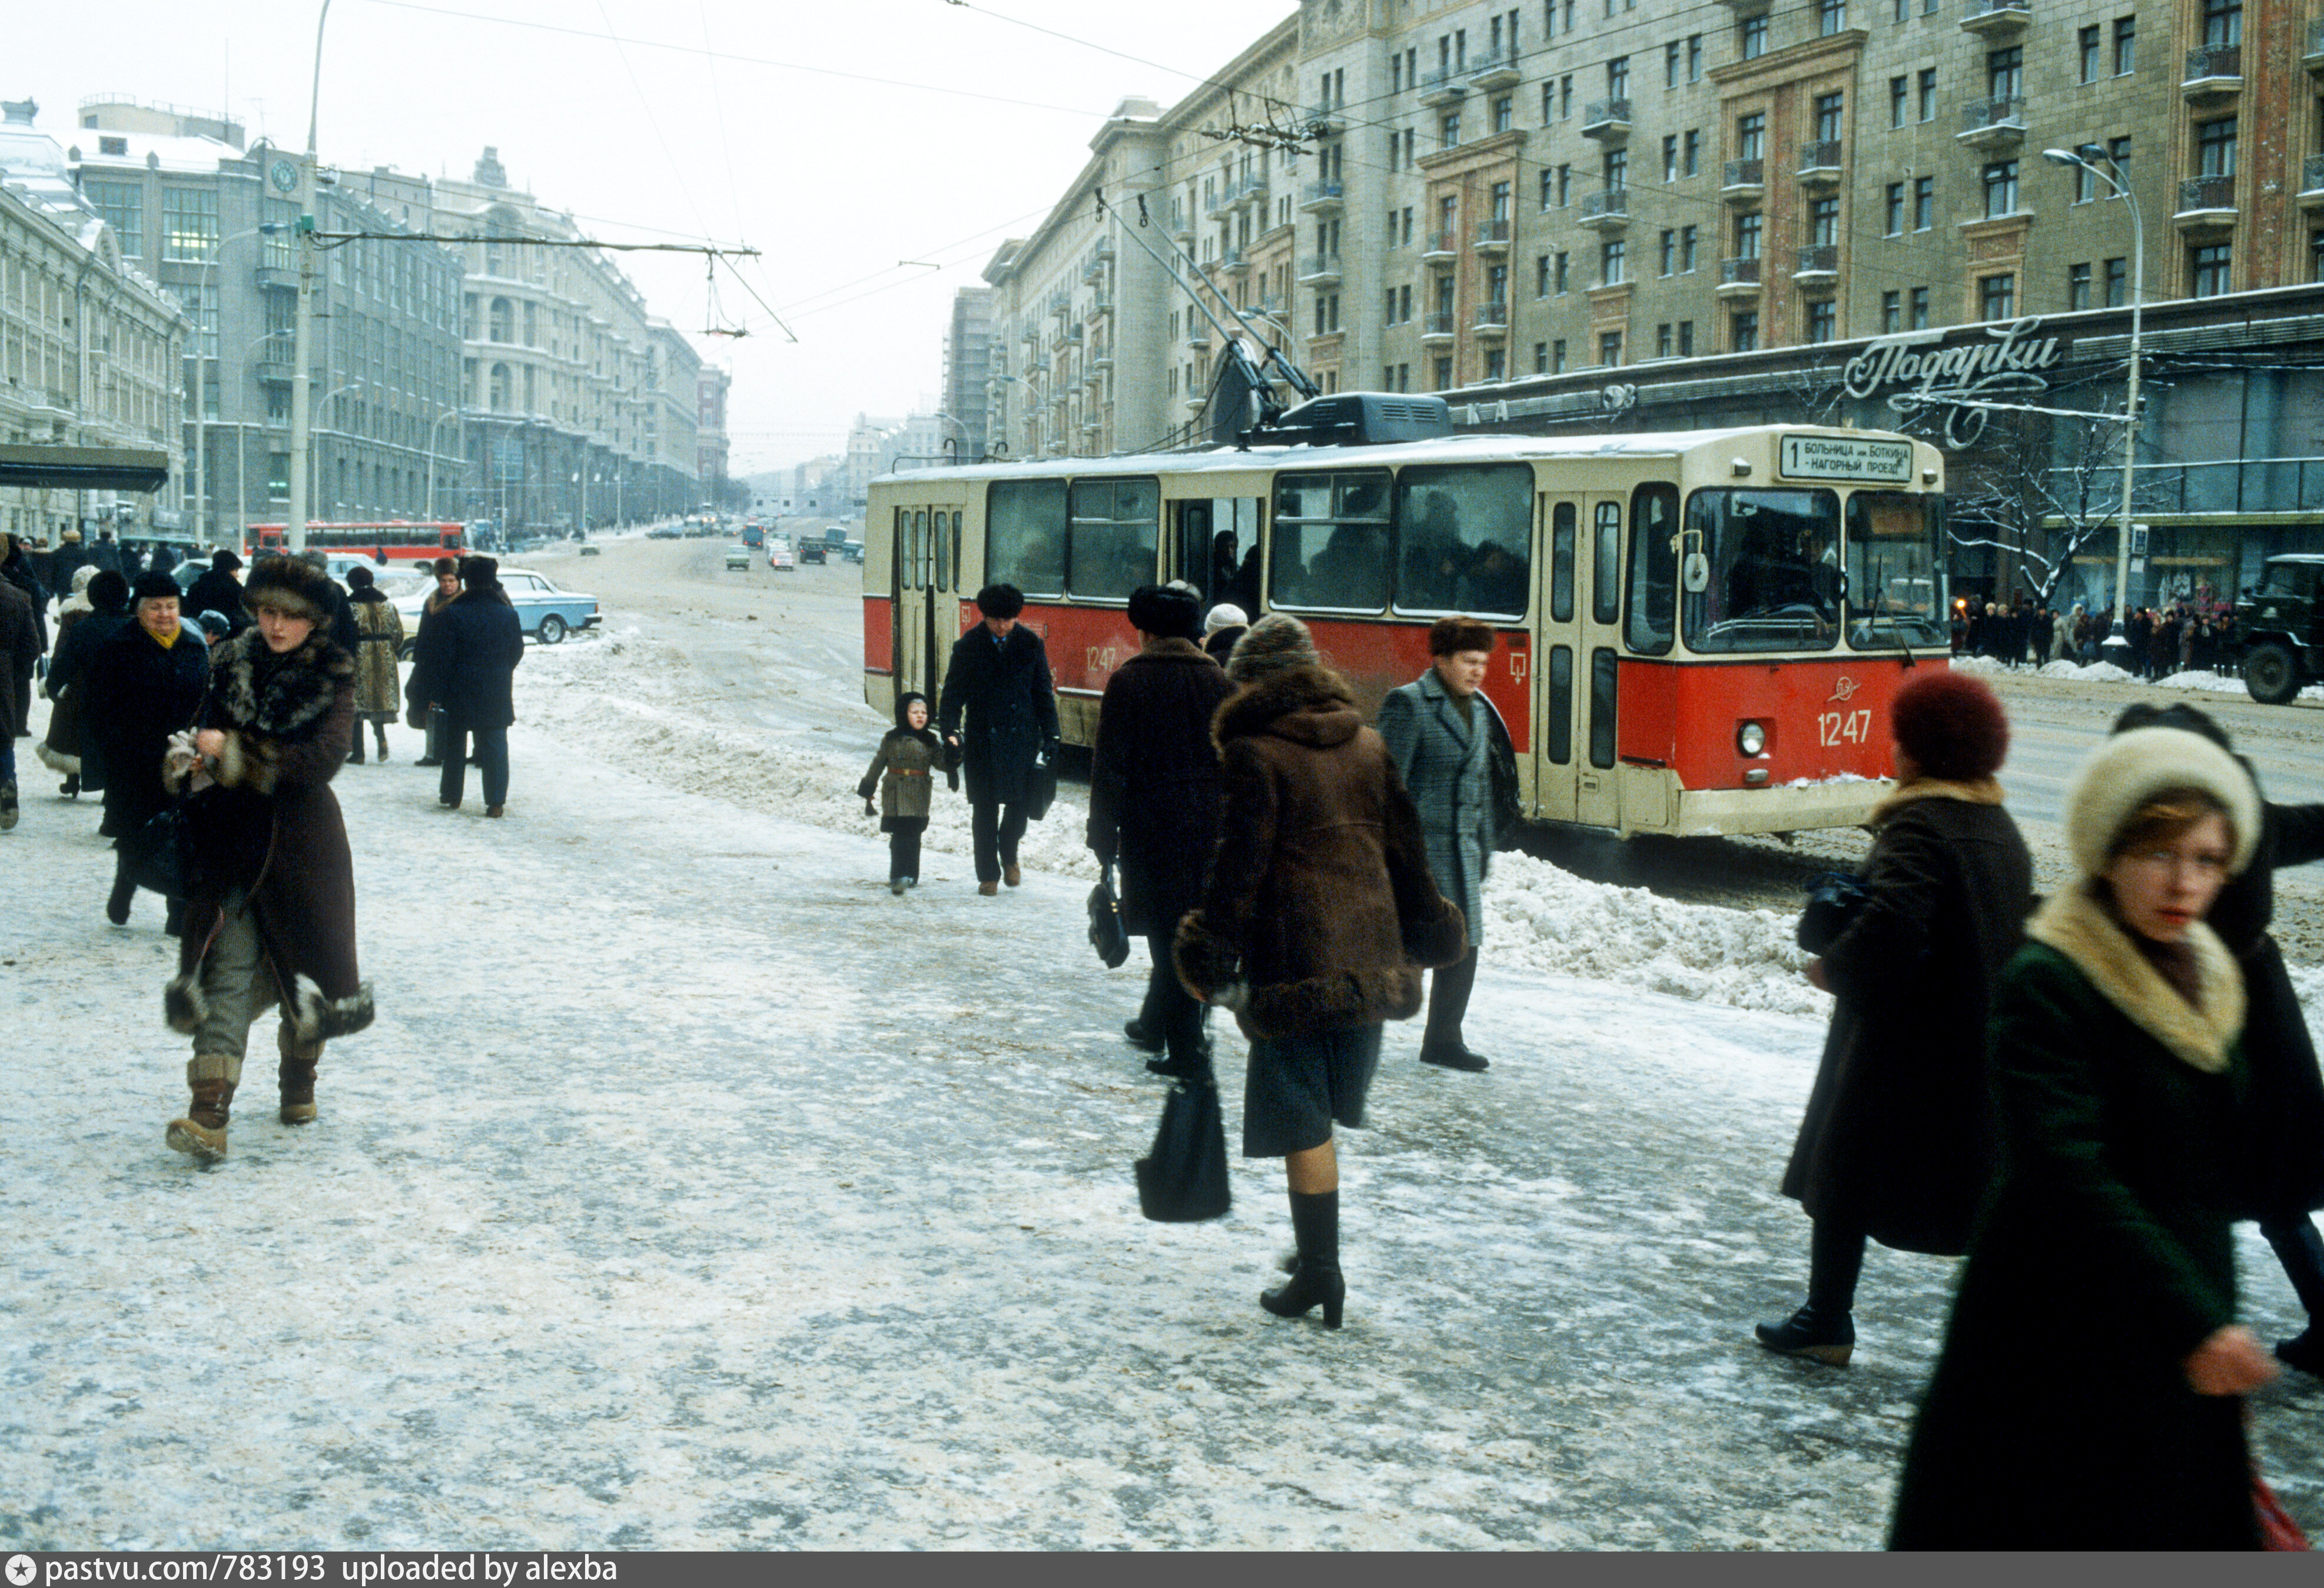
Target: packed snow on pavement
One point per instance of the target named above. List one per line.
(693, 1192)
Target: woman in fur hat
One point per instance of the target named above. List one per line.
(82, 629)
(1315, 922)
(903, 773)
(1897, 1146)
(378, 690)
(2089, 1392)
(272, 915)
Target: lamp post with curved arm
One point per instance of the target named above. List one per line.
(1041, 421)
(453, 412)
(2116, 649)
(204, 519)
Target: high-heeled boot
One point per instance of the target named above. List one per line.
(201, 1133)
(1317, 1280)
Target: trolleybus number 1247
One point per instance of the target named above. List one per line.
(1845, 728)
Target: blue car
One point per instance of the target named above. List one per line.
(547, 613)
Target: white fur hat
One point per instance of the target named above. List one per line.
(2130, 769)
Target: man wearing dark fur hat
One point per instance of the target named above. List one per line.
(271, 916)
(1153, 805)
(998, 680)
(218, 590)
(144, 684)
(467, 664)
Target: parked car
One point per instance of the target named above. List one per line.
(546, 613)
(738, 556)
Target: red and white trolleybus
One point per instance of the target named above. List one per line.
(396, 542)
(1700, 632)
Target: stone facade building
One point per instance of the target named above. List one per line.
(968, 372)
(710, 443)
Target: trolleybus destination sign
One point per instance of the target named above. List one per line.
(1847, 457)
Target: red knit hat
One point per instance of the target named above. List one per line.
(1951, 725)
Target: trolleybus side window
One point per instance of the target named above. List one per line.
(1115, 531)
(1893, 594)
(1769, 578)
(1604, 671)
(1654, 569)
(920, 580)
(1330, 542)
(1561, 704)
(1560, 570)
(1463, 538)
(1025, 535)
(945, 526)
(1606, 564)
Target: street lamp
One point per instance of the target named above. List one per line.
(203, 517)
(2116, 649)
(448, 413)
(1042, 423)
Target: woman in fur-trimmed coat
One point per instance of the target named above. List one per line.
(379, 640)
(1316, 921)
(2089, 1395)
(271, 914)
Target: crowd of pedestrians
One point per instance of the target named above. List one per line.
(2187, 635)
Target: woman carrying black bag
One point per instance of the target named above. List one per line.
(1896, 1147)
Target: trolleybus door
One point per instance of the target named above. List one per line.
(1212, 547)
(1556, 704)
(1597, 662)
(916, 640)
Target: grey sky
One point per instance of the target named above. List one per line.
(836, 178)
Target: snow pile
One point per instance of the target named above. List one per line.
(638, 703)
(2096, 672)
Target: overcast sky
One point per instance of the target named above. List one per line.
(725, 119)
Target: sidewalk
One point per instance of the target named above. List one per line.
(692, 1192)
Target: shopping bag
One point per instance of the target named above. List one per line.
(160, 853)
(1182, 1180)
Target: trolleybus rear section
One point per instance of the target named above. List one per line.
(1697, 633)
(385, 542)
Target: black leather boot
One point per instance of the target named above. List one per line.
(1317, 1280)
(1810, 1333)
(1441, 1042)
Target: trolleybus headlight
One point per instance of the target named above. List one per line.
(1751, 739)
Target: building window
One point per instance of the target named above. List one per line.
(1689, 152)
(2005, 72)
(123, 205)
(1918, 303)
(1541, 277)
(2207, 269)
(1900, 94)
(1443, 374)
(1667, 254)
(189, 227)
(1557, 357)
(1665, 341)
(1743, 331)
(1893, 210)
(1617, 77)
(1751, 135)
(1562, 271)
(1747, 232)
(1924, 203)
(2001, 188)
(1925, 90)
(1609, 348)
(1565, 186)
(1541, 359)
(1670, 156)
(1686, 241)
(1448, 131)
(1824, 320)
(2223, 23)
(2118, 157)
(1831, 17)
(1505, 112)
(1611, 254)
(1670, 63)
(1686, 338)
(1824, 223)
(1565, 97)
(1892, 312)
(1755, 36)
(1496, 364)
(2316, 256)
(2089, 43)
(2125, 45)
(2078, 286)
(2215, 147)
(1828, 117)
(2117, 283)
(1997, 296)
(1694, 57)
(1548, 187)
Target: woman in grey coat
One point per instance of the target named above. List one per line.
(1438, 732)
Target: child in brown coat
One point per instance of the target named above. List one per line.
(904, 772)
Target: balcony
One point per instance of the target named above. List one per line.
(1437, 327)
(1061, 303)
(1819, 265)
(1744, 181)
(1323, 120)
(1321, 199)
(2313, 60)
(281, 277)
(1074, 335)
(1746, 7)
(1440, 247)
(1820, 163)
(2311, 183)
(1101, 358)
(1606, 210)
(1739, 278)
(1495, 70)
(1995, 18)
(1492, 321)
(1101, 303)
(1233, 262)
(2205, 202)
(1447, 85)
(1199, 338)
(273, 365)
(1492, 236)
(1607, 120)
(1995, 123)
(1319, 270)
(2213, 71)
(1219, 202)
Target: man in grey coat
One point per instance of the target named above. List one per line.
(1439, 734)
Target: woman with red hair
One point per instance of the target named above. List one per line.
(1896, 1147)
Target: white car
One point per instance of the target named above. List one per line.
(780, 556)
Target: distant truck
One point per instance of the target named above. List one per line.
(754, 535)
(2277, 623)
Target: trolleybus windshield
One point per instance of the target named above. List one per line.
(1895, 596)
(1762, 571)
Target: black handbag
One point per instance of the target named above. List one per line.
(1107, 935)
(1834, 900)
(1182, 1180)
(1041, 783)
(161, 853)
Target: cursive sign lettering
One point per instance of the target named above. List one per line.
(1935, 374)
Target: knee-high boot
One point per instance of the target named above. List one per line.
(1448, 1004)
(201, 1133)
(2300, 1248)
(1317, 1280)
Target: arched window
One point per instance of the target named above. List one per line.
(500, 393)
(503, 327)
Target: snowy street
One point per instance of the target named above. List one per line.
(692, 1192)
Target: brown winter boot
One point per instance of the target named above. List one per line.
(297, 1073)
(201, 1134)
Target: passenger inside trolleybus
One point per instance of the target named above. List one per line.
(1774, 564)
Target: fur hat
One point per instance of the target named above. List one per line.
(1000, 601)
(156, 587)
(223, 559)
(1951, 725)
(444, 565)
(1449, 636)
(1276, 642)
(2130, 769)
(216, 625)
(108, 591)
(479, 573)
(1159, 609)
(69, 538)
(360, 578)
(289, 585)
(1226, 615)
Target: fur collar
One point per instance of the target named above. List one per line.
(1171, 647)
(1980, 791)
(2075, 924)
(280, 701)
(1316, 696)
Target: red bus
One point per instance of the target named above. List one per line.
(1699, 632)
(396, 541)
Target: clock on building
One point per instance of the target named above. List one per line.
(284, 175)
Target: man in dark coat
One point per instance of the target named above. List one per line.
(998, 679)
(1153, 806)
(467, 664)
(68, 558)
(106, 553)
(218, 590)
(16, 567)
(145, 685)
(20, 648)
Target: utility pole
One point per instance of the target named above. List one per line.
(302, 327)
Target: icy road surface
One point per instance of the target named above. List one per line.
(692, 1192)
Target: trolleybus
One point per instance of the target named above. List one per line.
(396, 541)
(1699, 632)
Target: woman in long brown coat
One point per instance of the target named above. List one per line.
(1316, 924)
(379, 641)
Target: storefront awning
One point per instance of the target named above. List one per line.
(84, 468)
